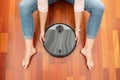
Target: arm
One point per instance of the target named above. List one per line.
(43, 9)
(78, 8)
(78, 18)
(43, 17)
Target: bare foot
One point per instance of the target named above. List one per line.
(27, 57)
(88, 57)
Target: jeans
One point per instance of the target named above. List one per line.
(94, 7)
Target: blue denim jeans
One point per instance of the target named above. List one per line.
(94, 7)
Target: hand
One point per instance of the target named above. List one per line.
(42, 37)
(77, 36)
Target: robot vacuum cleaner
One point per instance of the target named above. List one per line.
(59, 40)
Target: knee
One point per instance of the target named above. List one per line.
(99, 7)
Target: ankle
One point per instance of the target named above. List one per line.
(87, 51)
(29, 50)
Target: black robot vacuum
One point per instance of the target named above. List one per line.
(59, 40)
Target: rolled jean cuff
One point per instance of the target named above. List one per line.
(28, 37)
(90, 37)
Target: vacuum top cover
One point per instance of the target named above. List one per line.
(59, 40)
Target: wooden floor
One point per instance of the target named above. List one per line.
(106, 51)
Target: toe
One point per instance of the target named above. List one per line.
(25, 66)
(23, 63)
(89, 67)
(26, 62)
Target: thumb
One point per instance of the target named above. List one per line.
(40, 40)
(43, 38)
(76, 38)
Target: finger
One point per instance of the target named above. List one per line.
(77, 41)
(43, 38)
(40, 40)
(76, 38)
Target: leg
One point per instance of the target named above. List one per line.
(27, 7)
(70, 1)
(52, 1)
(96, 10)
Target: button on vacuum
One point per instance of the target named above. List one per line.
(59, 28)
(59, 51)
